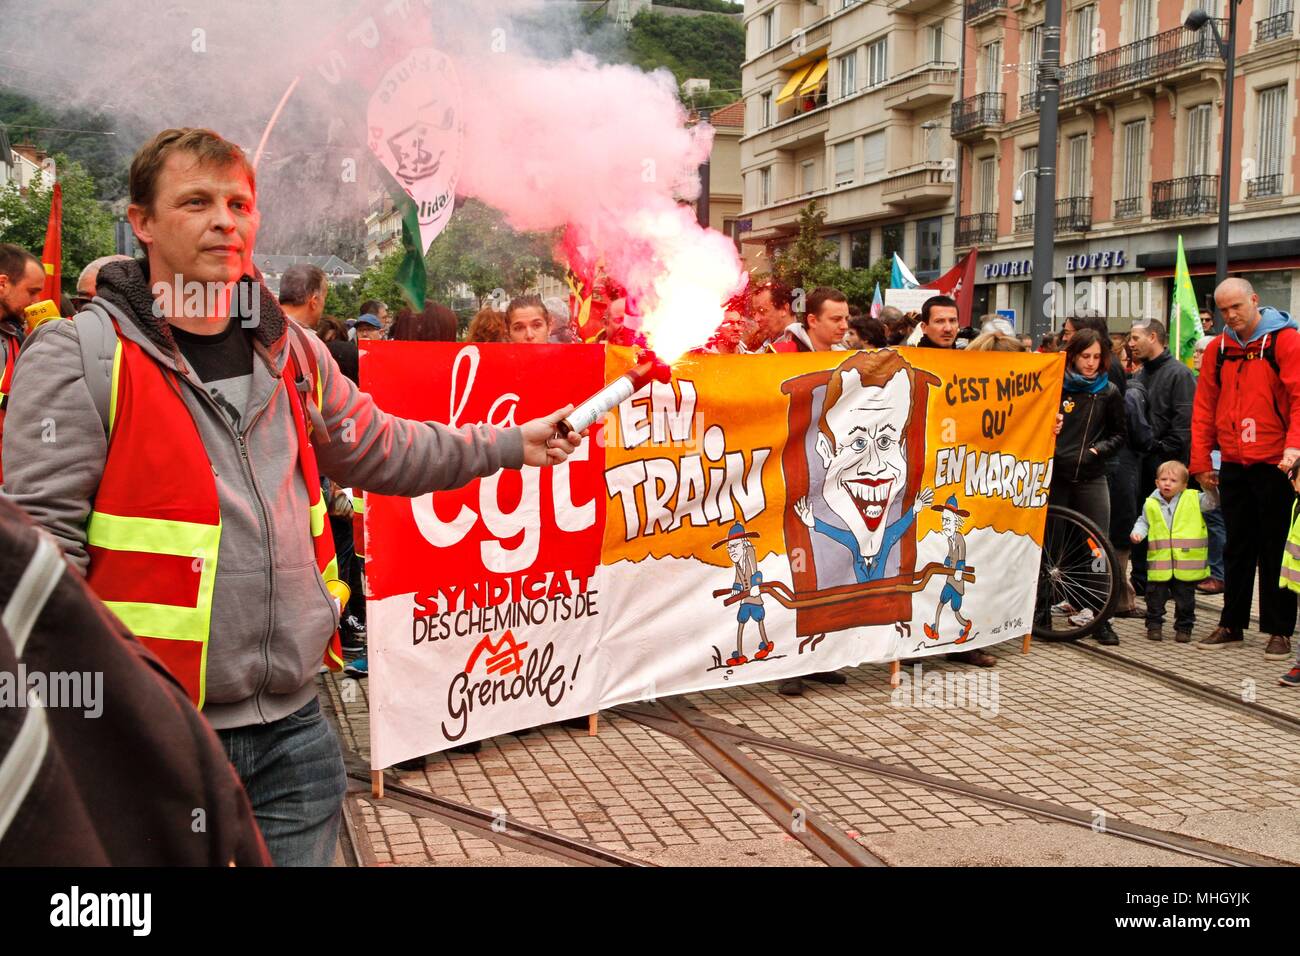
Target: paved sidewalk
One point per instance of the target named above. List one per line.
(1062, 726)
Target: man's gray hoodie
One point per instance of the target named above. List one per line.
(271, 615)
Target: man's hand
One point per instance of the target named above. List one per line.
(1135, 538)
(1060, 420)
(804, 511)
(1289, 458)
(541, 447)
(1208, 480)
(923, 500)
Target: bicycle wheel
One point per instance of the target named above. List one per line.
(1078, 582)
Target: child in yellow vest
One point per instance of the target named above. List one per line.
(1179, 552)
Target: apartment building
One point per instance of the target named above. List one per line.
(848, 105)
(1138, 152)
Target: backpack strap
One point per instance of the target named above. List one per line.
(98, 341)
(308, 388)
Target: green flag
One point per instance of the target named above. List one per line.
(1184, 316)
(411, 277)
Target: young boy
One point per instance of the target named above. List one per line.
(1178, 555)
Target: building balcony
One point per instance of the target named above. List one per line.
(802, 129)
(917, 6)
(976, 10)
(781, 218)
(1023, 223)
(1277, 27)
(918, 187)
(977, 113)
(978, 229)
(1149, 62)
(935, 83)
(1263, 187)
(1130, 208)
(1029, 102)
(1073, 214)
(1184, 198)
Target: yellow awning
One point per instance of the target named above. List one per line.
(792, 84)
(814, 78)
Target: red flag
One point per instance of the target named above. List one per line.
(52, 257)
(959, 282)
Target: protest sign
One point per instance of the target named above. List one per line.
(754, 519)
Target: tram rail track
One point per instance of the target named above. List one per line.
(711, 727)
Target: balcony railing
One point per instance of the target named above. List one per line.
(1262, 186)
(977, 8)
(1024, 223)
(1029, 102)
(977, 229)
(1073, 214)
(1188, 196)
(1130, 208)
(1147, 59)
(983, 109)
(1274, 28)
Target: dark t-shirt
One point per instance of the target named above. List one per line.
(224, 364)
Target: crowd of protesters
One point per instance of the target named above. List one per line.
(1192, 476)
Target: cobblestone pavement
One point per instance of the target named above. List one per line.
(1057, 725)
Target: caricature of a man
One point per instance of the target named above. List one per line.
(861, 441)
(955, 589)
(748, 577)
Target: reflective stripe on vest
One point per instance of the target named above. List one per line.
(155, 532)
(10, 346)
(359, 523)
(1183, 551)
(1290, 576)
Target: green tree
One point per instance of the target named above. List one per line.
(379, 281)
(342, 302)
(713, 6)
(480, 250)
(81, 135)
(811, 261)
(87, 224)
(706, 47)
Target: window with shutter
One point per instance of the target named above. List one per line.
(1272, 128)
(988, 185)
(1085, 22)
(1029, 160)
(1135, 135)
(1198, 140)
(873, 152)
(844, 163)
(1078, 181)
(848, 74)
(992, 67)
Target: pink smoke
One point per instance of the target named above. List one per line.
(604, 150)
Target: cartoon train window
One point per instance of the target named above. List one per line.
(853, 468)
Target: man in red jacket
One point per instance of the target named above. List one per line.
(1248, 406)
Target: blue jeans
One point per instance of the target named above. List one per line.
(292, 770)
(1218, 539)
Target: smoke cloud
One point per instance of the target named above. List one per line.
(553, 137)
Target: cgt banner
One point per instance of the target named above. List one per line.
(757, 518)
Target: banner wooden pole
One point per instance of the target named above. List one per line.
(1024, 644)
(895, 673)
(377, 784)
(592, 721)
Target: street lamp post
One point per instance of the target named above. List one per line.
(1049, 103)
(1196, 21)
